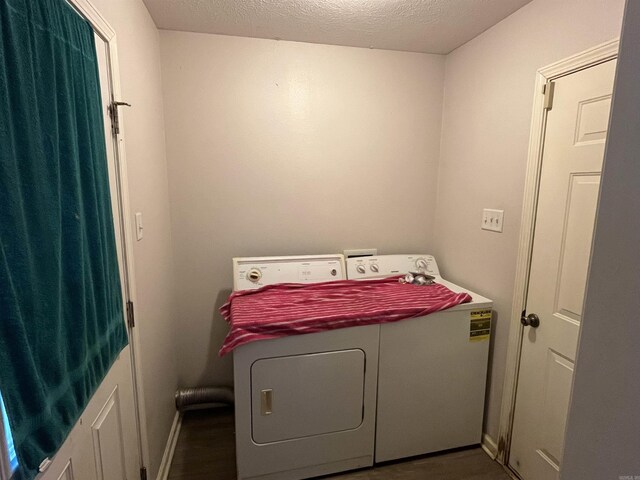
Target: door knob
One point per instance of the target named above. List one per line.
(532, 320)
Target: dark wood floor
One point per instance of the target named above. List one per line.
(205, 451)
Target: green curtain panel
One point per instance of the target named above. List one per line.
(62, 323)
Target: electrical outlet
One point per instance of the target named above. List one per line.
(492, 220)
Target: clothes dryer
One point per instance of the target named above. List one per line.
(305, 404)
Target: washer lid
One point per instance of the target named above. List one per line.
(386, 265)
(255, 272)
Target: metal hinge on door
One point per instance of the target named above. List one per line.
(548, 90)
(143, 473)
(115, 116)
(131, 319)
(501, 446)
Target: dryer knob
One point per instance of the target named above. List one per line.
(254, 275)
(421, 263)
(374, 268)
(361, 269)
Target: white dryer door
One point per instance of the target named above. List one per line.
(305, 395)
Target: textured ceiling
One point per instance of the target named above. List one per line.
(430, 26)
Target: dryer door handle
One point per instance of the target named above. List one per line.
(266, 402)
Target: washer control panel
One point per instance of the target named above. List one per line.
(255, 272)
(387, 265)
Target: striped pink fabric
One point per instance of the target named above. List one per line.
(294, 308)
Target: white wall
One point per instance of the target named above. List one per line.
(279, 148)
(603, 429)
(487, 116)
(139, 56)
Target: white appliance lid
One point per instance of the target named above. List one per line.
(386, 265)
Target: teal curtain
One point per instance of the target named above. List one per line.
(61, 324)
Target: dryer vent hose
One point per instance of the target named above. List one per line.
(202, 397)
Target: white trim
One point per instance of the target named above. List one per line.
(593, 56)
(170, 448)
(511, 473)
(588, 58)
(108, 34)
(95, 18)
(489, 446)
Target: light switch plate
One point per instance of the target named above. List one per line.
(492, 220)
(139, 227)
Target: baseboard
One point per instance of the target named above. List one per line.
(167, 457)
(489, 445)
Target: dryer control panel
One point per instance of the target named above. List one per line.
(255, 272)
(386, 265)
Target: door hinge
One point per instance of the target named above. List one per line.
(501, 445)
(115, 115)
(548, 89)
(143, 473)
(131, 319)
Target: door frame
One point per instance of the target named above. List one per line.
(104, 30)
(588, 58)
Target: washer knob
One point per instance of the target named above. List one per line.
(422, 263)
(361, 269)
(374, 267)
(254, 275)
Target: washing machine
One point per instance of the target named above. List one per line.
(432, 370)
(305, 404)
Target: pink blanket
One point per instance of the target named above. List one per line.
(293, 308)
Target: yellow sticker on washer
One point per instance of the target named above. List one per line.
(480, 325)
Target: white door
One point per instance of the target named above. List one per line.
(104, 443)
(567, 200)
